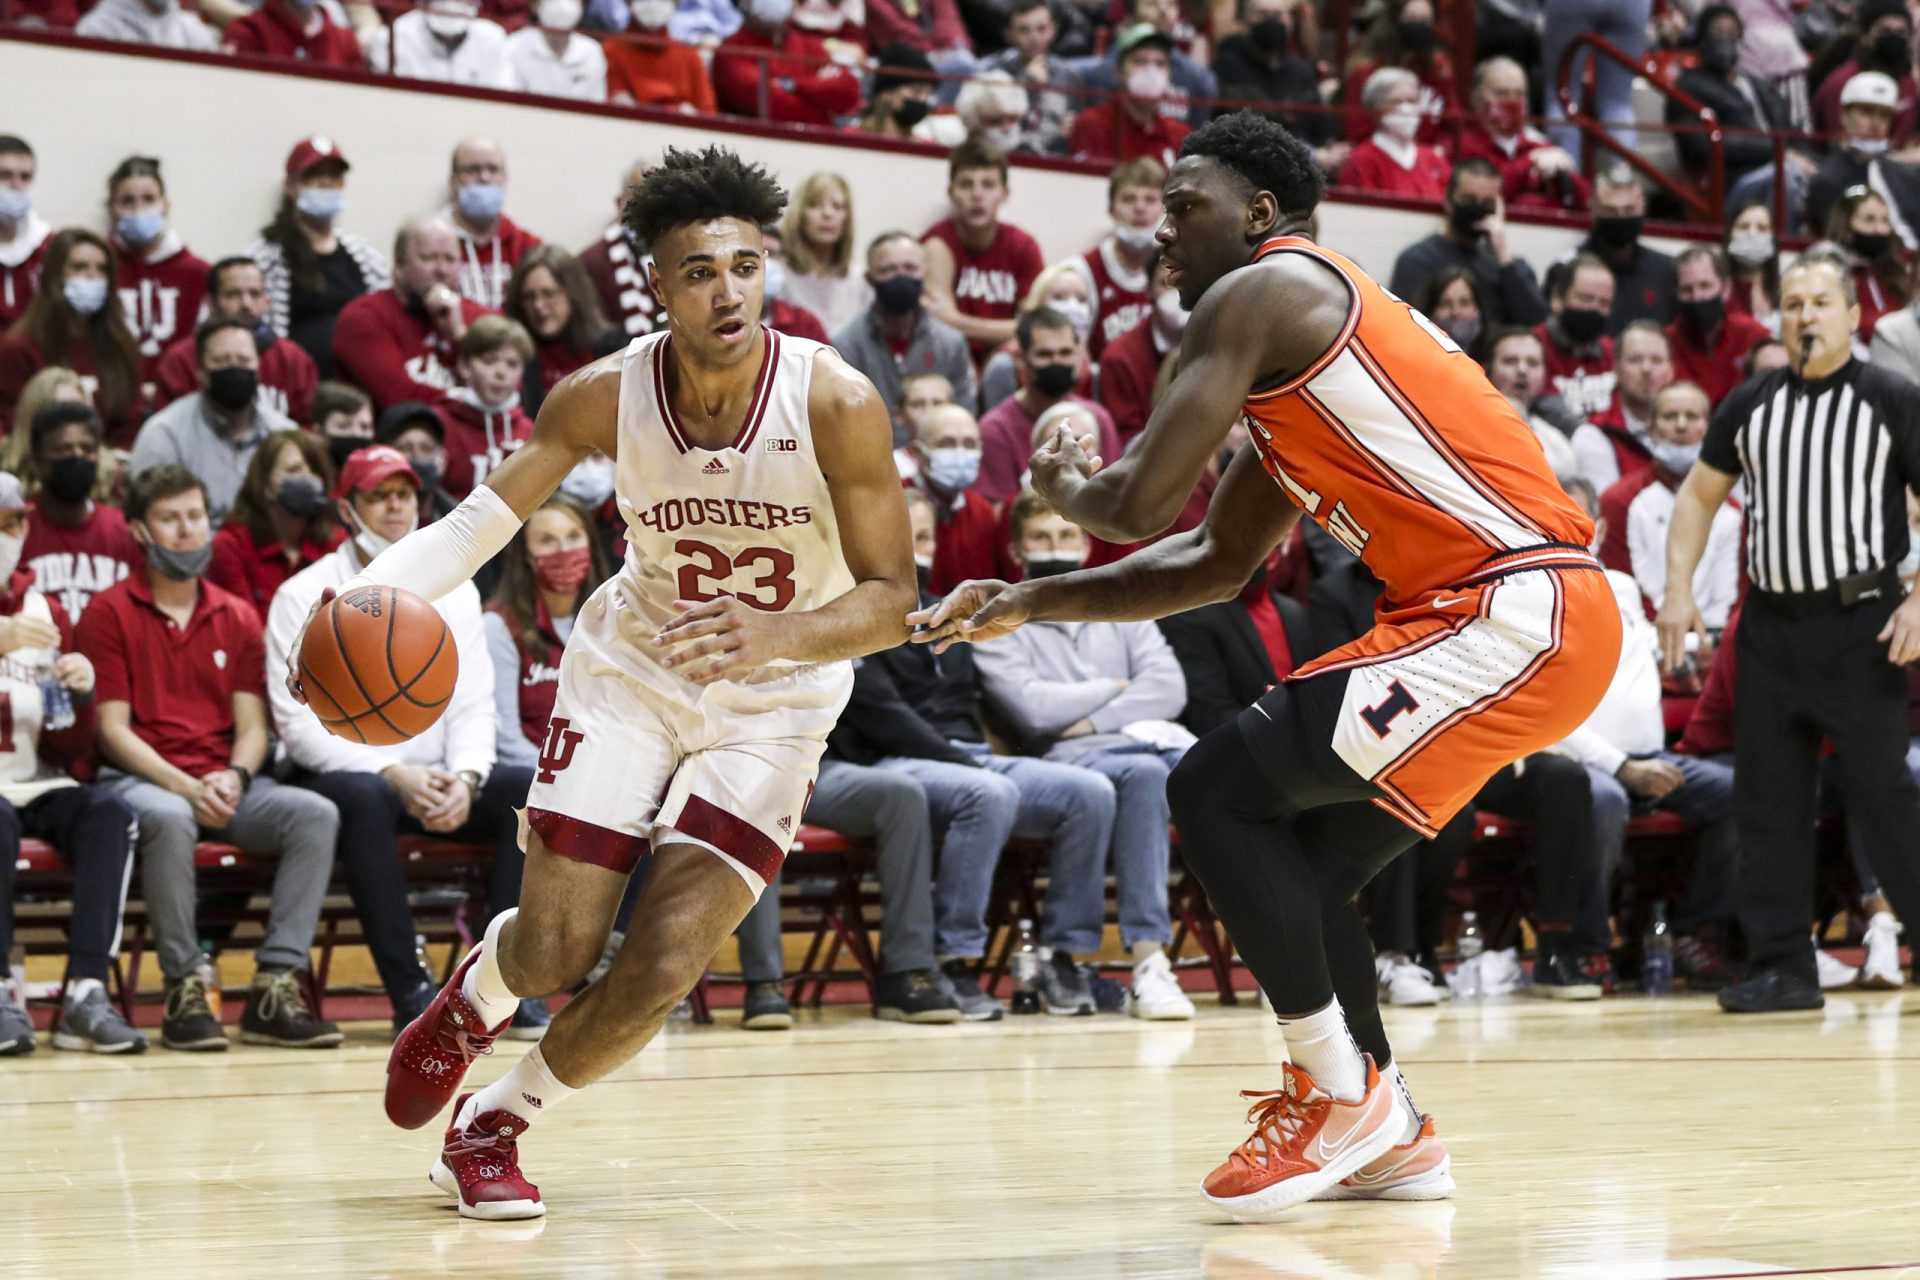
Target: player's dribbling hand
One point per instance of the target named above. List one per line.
(711, 640)
(972, 613)
(293, 654)
(1061, 463)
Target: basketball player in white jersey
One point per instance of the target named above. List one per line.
(768, 545)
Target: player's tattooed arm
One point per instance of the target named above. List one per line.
(1249, 330)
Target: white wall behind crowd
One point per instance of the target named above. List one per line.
(223, 134)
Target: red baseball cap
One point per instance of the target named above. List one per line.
(309, 152)
(371, 467)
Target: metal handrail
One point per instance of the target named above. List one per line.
(1596, 134)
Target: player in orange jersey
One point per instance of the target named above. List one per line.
(1496, 635)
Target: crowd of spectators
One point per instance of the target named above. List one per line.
(195, 449)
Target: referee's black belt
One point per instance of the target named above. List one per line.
(1861, 588)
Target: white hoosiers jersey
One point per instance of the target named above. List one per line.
(753, 520)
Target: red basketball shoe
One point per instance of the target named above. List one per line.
(1303, 1142)
(432, 1055)
(1417, 1170)
(480, 1167)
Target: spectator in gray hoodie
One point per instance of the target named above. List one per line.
(156, 22)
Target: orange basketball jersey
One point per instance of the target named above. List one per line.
(1396, 443)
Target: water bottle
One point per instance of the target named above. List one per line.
(209, 973)
(1656, 955)
(1026, 970)
(56, 703)
(1468, 946)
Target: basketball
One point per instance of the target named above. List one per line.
(378, 665)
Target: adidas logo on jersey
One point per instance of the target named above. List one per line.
(785, 825)
(714, 467)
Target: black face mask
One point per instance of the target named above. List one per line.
(1617, 233)
(1048, 566)
(72, 479)
(923, 574)
(910, 112)
(233, 389)
(1269, 35)
(1465, 219)
(1053, 380)
(1892, 51)
(1582, 325)
(340, 448)
(1871, 246)
(1720, 54)
(1417, 36)
(899, 295)
(428, 469)
(1703, 315)
(300, 496)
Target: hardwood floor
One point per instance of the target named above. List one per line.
(1629, 1139)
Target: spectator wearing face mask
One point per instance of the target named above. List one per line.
(552, 58)
(1402, 34)
(491, 243)
(648, 67)
(449, 42)
(552, 298)
(23, 233)
(1643, 277)
(75, 321)
(1740, 102)
(76, 547)
(398, 343)
(946, 447)
(1579, 353)
(237, 290)
(343, 419)
(1393, 162)
(1117, 269)
(417, 431)
(1030, 32)
(296, 29)
(776, 311)
(802, 84)
(281, 522)
(1639, 508)
(1188, 78)
(1614, 444)
(1709, 342)
(213, 432)
(1474, 237)
(1534, 174)
(1049, 361)
(897, 338)
(1132, 126)
(161, 283)
(1867, 107)
(161, 23)
(1886, 46)
(1452, 299)
(1862, 225)
(1062, 287)
(313, 268)
(903, 88)
(1261, 65)
(484, 420)
(1756, 265)
(1130, 365)
(992, 108)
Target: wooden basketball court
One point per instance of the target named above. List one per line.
(1629, 1138)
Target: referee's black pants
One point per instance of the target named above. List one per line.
(1801, 677)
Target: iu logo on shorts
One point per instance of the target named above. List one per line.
(557, 753)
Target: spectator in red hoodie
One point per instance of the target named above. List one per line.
(551, 296)
(491, 243)
(483, 416)
(771, 71)
(1710, 343)
(1534, 174)
(76, 321)
(76, 547)
(281, 520)
(237, 290)
(1393, 162)
(161, 283)
(293, 29)
(23, 233)
(397, 343)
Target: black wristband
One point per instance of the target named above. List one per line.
(246, 775)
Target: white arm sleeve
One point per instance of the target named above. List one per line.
(433, 561)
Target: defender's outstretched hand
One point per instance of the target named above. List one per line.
(972, 613)
(1062, 462)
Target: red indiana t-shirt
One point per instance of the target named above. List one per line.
(1584, 382)
(74, 563)
(272, 31)
(287, 377)
(393, 354)
(1120, 297)
(990, 284)
(161, 296)
(177, 681)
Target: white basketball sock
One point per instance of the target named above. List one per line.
(483, 986)
(1321, 1046)
(1409, 1113)
(530, 1090)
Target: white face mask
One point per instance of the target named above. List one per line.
(1149, 82)
(1005, 139)
(11, 545)
(1134, 239)
(1750, 248)
(372, 544)
(590, 483)
(1078, 311)
(1403, 122)
(652, 15)
(1869, 146)
(1168, 319)
(561, 15)
(449, 25)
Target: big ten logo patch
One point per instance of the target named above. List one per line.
(557, 752)
(783, 444)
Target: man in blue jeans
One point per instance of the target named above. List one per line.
(1103, 697)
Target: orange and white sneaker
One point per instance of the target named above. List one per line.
(1303, 1142)
(1417, 1170)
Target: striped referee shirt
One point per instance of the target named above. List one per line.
(1827, 464)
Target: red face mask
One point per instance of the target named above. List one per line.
(1509, 116)
(563, 570)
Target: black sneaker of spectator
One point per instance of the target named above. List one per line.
(188, 1023)
(1109, 996)
(1773, 990)
(975, 1004)
(412, 1004)
(1699, 961)
(1063, 988)
(1556, 971)
(277, 1014)
(530, 1021)
(918, 996)
(16, 1030)
(766, 1008)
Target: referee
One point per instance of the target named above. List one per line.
(1827, 447)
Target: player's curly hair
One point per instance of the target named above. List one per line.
(699, 186)
(1265, 155)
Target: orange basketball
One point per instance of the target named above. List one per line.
(378, 665)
